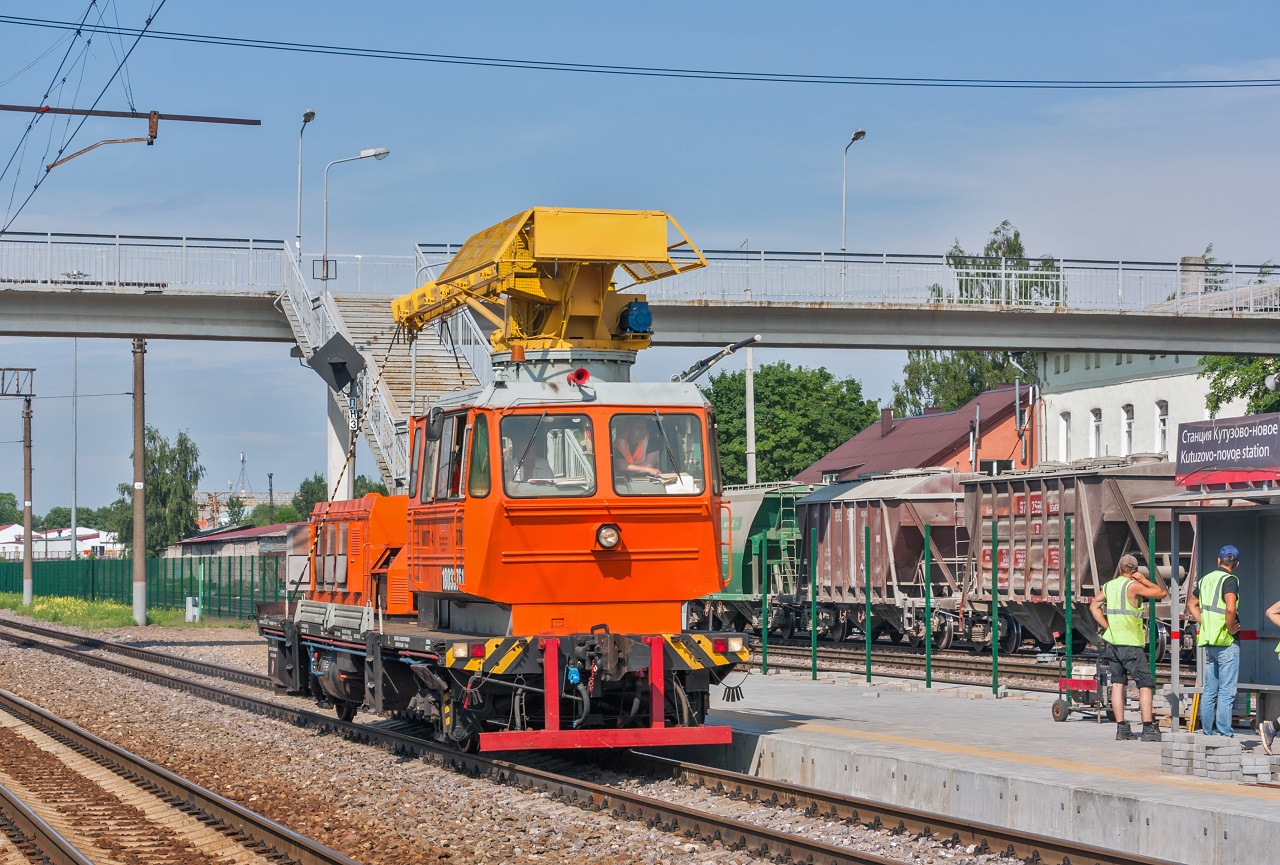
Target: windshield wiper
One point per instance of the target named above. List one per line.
(533, 434)
(675, 466)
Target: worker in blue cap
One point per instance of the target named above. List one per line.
(1215, 605)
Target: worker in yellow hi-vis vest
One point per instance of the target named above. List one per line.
(1124, 640)
(1214, 605)
(1268, 729)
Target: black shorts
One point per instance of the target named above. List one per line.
(1124, 662)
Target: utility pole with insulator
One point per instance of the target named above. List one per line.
(271, 500)
(139, 483)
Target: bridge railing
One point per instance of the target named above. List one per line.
(973, 281)
(141, 262)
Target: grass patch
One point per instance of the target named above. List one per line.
(178, 619)
(104, 614)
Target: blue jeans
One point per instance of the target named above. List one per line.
(1221, 673)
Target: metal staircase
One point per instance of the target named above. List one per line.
(398, 378)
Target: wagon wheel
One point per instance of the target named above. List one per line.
(1162, 642)
(839, 630)
(944, 634)
(895, 636)
(787, 630)
(1012, 638)
(346, 710)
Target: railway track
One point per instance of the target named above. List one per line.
(88, 801)
(674, 817)
(950, 667)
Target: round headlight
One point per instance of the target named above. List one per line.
(608, 536)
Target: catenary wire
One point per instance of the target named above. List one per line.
(77, 30)
(661, 71)
(138, 38)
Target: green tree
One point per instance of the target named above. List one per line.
(366, 485)
(1231, 376)
(802, 414)
(173, 471)
(310, 492)
(260, 516)
(949, 379)
(10, 513)
(235, 510)
(1002, 274)
(58, 518)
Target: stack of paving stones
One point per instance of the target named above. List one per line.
(1215, 757)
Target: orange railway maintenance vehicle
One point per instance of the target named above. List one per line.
(527, 592)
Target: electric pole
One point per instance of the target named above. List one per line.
(20, 382)
(139, 483)
(271, 501)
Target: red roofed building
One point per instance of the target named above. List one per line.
(235, 541)
(980, 436)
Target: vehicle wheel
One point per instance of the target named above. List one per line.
(788, 629)
(740, 623)
(895, 636)
(1162, 642)
(346, 710)
(1045, 645)
(1060, 710)
(1012, 638)
(839, 630)
(944, 635)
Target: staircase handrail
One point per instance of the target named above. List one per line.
(318, 318)
(465, 338)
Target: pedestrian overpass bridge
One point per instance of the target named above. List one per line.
(254, 290)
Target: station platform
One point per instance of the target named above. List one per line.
(960, 751)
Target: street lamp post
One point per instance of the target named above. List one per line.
(844, 185)
(376, 153)
(307, 117)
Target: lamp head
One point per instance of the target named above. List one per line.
(859, 135)
(308, 116)
(376, 153)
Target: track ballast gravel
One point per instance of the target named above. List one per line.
(368, 803)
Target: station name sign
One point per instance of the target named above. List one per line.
(1229, 449)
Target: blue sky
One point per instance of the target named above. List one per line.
(1131, 175)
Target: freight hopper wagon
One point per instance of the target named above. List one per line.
(880, 522)
(762, 549)
(528, 590)
(1029, 512)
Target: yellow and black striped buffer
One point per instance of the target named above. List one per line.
(696, 652)
(501, 655)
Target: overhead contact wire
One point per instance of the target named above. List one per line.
(669, 72)
(80, 125)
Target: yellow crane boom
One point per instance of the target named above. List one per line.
(552, 270)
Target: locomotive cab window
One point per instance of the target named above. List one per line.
(657, 454)
(548, 455)
(449, 471)
(478, 481)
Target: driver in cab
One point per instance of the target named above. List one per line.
(634, 453)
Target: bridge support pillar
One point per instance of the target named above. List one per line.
(338, 439)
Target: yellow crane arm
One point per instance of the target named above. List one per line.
(552, 271)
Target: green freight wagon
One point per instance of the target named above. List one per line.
(761, 537)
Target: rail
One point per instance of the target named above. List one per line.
(751, 837)
(252, 830)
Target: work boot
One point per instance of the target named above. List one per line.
(1267, 729)
(1123, 731)
(1150, 732)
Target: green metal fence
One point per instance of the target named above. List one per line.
(228, 586)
